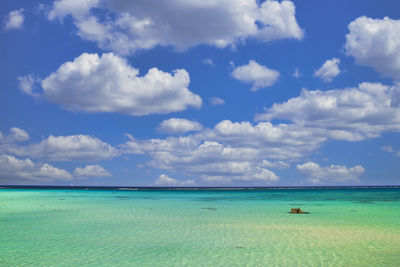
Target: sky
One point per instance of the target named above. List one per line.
(200, 93)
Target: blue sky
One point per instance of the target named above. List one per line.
(200, 93)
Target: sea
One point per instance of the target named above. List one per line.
(343, 226)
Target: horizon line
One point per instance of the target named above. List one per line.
(132, 188)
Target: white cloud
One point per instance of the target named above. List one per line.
(261, 176)
(108, 84)
(15, 20)
(390, 149)
(203, 159)
(15, 135)
(208, 61)
(78, 9)
(328, 70)
(258, 75)
(281, 141)
(375, 43)
(91, 171)
(231, 151)
(279, 164)
(216, 101)
(16, 171)
(133, 25)
(330, 174)
(296, 73)
(66, 148)
(164, 180)
(176, 125)
(348, 114)
(27, 84)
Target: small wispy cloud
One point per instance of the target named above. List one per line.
(390, 149)
(216, 101)
(208, 61)
(14, 20)
(296, 73)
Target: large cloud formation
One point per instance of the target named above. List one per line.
(133, 25)
(330, 174)
(106, 83)
(231, 151)
(375, 43)
(244, 152)
(65, 148)
(82, 148)
(348, 114)
(16, 171)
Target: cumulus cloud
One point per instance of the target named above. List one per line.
(231, 151)
(91, 171)
(258, 75)
(203, 159)
(328, 70)
(375, 43)
(14, 20)
(176, 125)
(164, 180)
(66, 148)
(133, 25)
(216, 101)
(330, 174)
(16, 171)
(348, 114)
(106, 83)
(281, 141)
(15, 135)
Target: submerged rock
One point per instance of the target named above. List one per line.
(298, 211)
(208, 208)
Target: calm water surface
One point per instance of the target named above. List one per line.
(345, 227)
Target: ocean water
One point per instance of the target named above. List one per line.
(345, 227)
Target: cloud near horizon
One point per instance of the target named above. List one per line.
(91, 171)
(330, 174)
(17, 171)
(230, 152)
(64, 148)
(165, 180)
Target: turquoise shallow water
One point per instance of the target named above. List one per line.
(357, 227)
